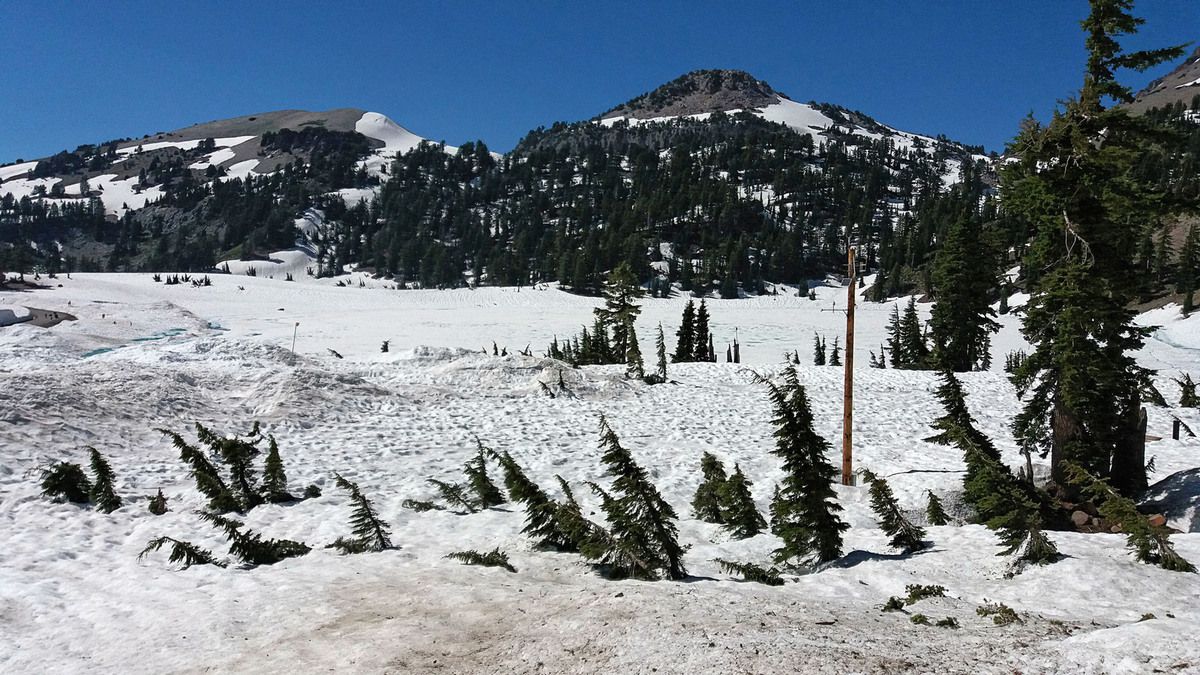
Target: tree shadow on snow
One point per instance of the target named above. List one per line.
(854, 558)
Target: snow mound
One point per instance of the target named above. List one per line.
(278, 265)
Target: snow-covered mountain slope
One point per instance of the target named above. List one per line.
(234, 149)
(75, 596)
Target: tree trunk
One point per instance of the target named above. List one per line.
(1128, 474)
(1064, 429)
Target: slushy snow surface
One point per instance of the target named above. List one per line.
(74, 597)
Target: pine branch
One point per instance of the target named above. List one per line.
(493, 558)
(182, 552)
(421, 506)
(751, 572)
(1151, 544)
(454, 495)
(249, 547)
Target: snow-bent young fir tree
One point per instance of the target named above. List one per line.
(1076, 184)
(545, 519)
(371, 533)
(804, 512)
(706, 504)
(102, 493)
(905, 536)
(642, 541)
(956, 427)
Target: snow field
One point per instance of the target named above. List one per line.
(74, 596)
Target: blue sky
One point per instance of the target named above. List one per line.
(74, 73)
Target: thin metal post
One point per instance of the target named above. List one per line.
(295, 329)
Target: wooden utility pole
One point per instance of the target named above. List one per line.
(848, 402)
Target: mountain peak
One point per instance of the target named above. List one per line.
(700, 91)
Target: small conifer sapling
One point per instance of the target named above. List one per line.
(65, 481)
(102, 493)
(905, 536)
(742, 519)
(370, 532)
(804, 513)
(641, 522)
(706, 504)
(935, 514)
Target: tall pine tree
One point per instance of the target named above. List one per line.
(964, 275)
(1074, 184)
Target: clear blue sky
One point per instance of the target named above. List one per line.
(83, 72)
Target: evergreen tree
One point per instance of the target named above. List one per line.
(685, 344)
(660, 351)
(65, 481)
(641, 522)
(977, 485)
(274, 484)
(1074, 183)
(635, 369)
(486, 493)
(741, 516)
(934, 513)
(893, 339)
(905, 536)
(542, 518)
(102, 493)
(158, 504)
(805, 511)
(818, 350)
(963, 278)
(914, 353)
(1014, 507)
(835, 358)
(702, 351)
(208, 479)
(238, 454)
(1187, 392)
(706, 504)
(620, 310)
(1187, 273)
(370, 532)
